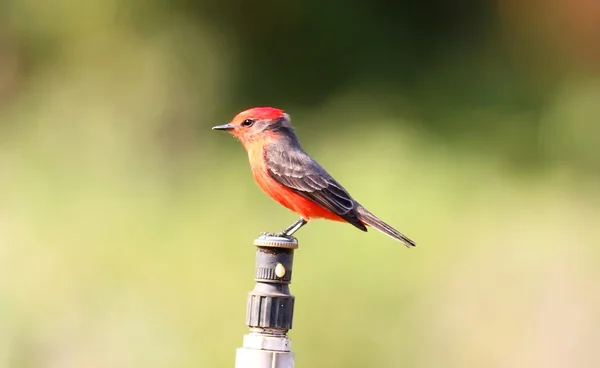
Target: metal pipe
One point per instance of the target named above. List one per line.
(270, 307)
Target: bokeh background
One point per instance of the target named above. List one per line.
(126, 224)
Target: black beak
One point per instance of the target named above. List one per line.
(223, 127)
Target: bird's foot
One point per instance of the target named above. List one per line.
(277, 235)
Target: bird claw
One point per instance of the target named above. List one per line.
(277, 235)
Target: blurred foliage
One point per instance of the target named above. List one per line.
(126, 224)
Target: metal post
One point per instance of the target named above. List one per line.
(270, 307)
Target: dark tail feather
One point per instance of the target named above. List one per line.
(372, 220)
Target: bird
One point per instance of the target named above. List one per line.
(285, 172)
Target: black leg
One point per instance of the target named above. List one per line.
(290, 230)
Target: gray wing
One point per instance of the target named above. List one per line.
(292, 167)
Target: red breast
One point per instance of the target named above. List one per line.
(306, 208)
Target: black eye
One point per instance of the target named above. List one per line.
(247, 122)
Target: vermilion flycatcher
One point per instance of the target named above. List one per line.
(291, 177)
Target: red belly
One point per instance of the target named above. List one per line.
(306, 208)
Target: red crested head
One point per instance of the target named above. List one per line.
(259, 113)
(259, 124)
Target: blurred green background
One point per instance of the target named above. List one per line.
(126, 224)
